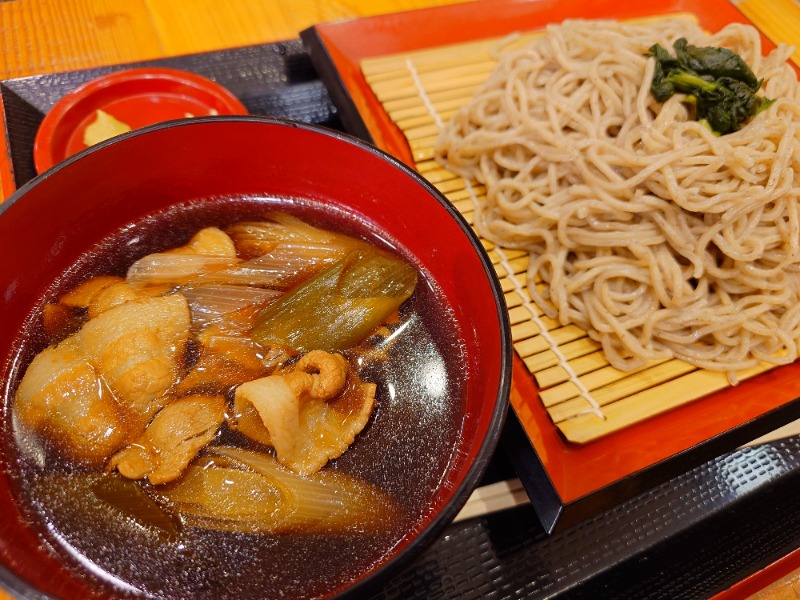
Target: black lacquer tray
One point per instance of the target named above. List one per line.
(270, 79)
(691, 537)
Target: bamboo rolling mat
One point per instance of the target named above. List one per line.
(585, 396)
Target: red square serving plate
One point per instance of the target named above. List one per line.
(566, 482)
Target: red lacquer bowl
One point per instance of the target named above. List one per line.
(53, 221)
(135, 97)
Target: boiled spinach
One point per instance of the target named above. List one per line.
(717, 81)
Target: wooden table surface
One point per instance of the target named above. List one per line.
(47, 36)
(41, 36)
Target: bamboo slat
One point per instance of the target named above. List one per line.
(566, 352)
(587, 426)
(779, 20)
(584, 395)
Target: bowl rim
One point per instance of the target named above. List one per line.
(489, 444)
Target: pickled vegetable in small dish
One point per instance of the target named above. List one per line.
(122, 101)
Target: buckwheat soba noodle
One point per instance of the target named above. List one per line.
(644, 228)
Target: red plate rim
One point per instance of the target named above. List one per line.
(58, 123)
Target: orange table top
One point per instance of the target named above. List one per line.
(43, 36)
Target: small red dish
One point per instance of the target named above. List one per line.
(134, 97)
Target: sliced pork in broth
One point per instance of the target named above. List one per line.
(98, 388)
(180, 353)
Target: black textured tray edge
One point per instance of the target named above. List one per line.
(286, 70)
(329, 74)
(691, 537)
(556, 514)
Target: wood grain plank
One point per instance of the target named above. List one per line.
(203, 25)
(40, 36)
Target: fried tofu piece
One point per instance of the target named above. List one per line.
(218, 373)
(174, 437)
(111, 296)
(60, 320)
(228, 356)
(82, 295)
(210, 241)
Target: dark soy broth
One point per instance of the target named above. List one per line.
(405, 450)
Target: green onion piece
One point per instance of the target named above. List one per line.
(328, 500)
(230, 495)
(243, 491)
(127, 496)
(339, 307)
(256, 238)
